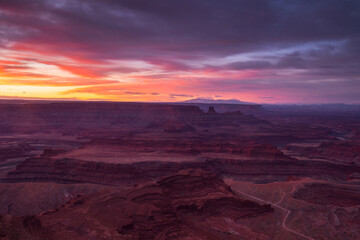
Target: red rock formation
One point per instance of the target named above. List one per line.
(50, 152)
(264, 151)
(248, 109)
(44, 169)
(96, 117)
(66, 170)
(27, 227)
(21, 150)
(176, 207)
(327, 194)
(211, 110)
(194, 145)
(82, 116)
(347, 152)
(292, 178)
(172, 126)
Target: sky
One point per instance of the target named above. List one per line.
(262, 51)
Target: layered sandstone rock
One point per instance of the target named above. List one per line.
(172, 126)
(345, 151)
(80, 117)
(329, 194)
(194, 145)
(67, 170)
(249, 109)
(175, 207)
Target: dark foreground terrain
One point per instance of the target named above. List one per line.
(93, 170)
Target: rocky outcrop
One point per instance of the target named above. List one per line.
(66, 170)
(20, 150)
(28, 198)
(194, 145)
(329, 194)
(229, 119)
(27, 227)
(45, 169)
(175, 207)
(272, 171)
(345, 151)
(211, 110)
(80, 117)
(172, 126)
(262, 151)
(248, 109)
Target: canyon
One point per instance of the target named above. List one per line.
(108, 170)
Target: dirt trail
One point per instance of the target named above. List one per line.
(282, 197)
(279, 207)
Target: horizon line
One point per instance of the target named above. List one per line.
(5, 98)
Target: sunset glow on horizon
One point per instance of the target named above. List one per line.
(166, 51)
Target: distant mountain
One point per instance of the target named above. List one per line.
(216, 101)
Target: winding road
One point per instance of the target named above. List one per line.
(279, 207)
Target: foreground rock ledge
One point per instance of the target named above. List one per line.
(181, 206)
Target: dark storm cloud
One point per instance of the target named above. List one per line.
(320, 62)
(172, 34)
(185, 29)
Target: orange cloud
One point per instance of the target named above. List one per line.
(8, 62)
(80, 71)
(54, 82)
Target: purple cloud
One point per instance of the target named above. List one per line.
(308, 46)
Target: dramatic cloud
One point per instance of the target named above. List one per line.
(259, 50)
